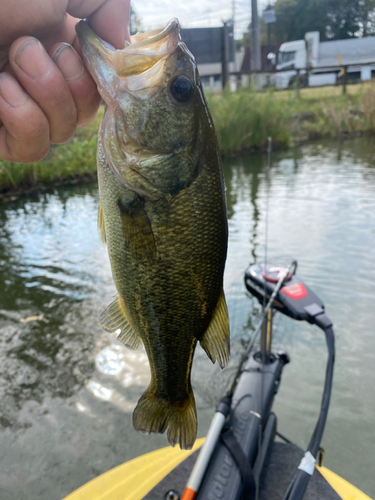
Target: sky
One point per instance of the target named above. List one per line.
(196, 13)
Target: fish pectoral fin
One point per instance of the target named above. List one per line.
(114, 318)
(139, 237)
(154, 415)
(215, 340)
(101, 228)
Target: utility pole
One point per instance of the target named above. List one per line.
(255, 36)
(233, 39)
(225, 61)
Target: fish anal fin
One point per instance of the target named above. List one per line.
(114, 318)
(139, 237)
(155, 415)
(101, 228)
(215, 340)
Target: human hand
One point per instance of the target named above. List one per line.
(45, 91)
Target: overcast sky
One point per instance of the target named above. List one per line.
(196, 13)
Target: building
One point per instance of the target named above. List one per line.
(207, 46)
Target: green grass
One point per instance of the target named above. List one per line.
(243, 120)
(75, 159)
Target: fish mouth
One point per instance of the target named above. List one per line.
(146, 49)
(142, 54)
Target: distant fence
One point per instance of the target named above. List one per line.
(302, 74)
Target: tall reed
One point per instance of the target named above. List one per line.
(245, 119)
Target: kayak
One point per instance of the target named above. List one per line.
(243, 456)
(142, 477)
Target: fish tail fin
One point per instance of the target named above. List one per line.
(154, 415)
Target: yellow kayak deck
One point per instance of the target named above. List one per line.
(135, 479)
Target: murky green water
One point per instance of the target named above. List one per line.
(67, 389)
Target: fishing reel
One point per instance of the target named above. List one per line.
(295, 299)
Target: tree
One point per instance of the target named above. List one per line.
(350, 18)
(343, 19)
(135, 23)
(295, 17)
(334, 19)
(366, 17)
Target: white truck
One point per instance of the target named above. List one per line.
(324, 60)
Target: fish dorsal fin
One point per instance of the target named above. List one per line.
(215, 340)
(114, 318)
(101, 228)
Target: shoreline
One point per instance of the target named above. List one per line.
(14, 194)
(243, 121)
(24, 189)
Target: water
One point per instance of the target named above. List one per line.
(68, 389)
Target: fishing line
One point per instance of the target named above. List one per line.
(268, 170)
(265, 318)
(287, 271)
(201, 16)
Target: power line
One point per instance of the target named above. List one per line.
(215, 16)
(202, 19)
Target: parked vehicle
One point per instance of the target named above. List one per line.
(318, 63)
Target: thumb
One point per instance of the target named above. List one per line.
(108, 18)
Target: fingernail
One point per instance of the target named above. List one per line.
(11, 91)
(68, 62)
(33, 60)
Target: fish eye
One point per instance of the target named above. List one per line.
(181, 88)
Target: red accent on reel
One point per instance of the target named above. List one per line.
(295, 291)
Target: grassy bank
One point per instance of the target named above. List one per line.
(243, 120)
(64, 163)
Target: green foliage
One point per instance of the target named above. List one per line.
(245, 119)
(366, 16)
(75, 159)
(342, 19)
(326, 112)
(334, 19)
(295, 17)
(350, 18)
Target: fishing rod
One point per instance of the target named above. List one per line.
(224, 406)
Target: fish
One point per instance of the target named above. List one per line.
(162, 214)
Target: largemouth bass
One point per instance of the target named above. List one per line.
(162, 214)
